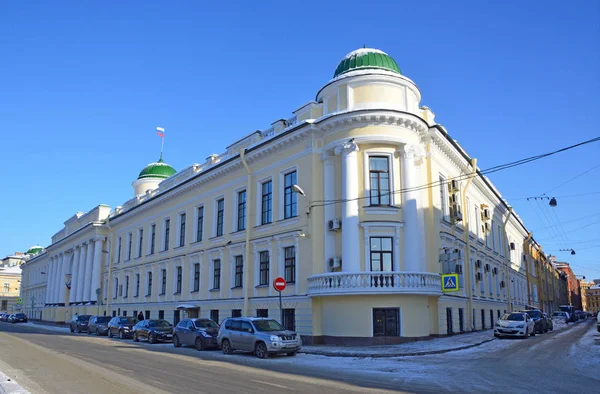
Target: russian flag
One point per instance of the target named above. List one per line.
(160, 131)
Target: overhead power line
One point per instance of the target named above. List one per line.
(572, 179)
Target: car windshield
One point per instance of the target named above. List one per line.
(534, 313)
(513, 316)
(206, 324)
(83, 317)
(159, 323)
(128, 320)
(103, 319)
(267, 325)
(559, 314)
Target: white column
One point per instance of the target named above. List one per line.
(63, 274)
(74, 275)
(329, 210)
(412, 247)
(49, 281)
(80, 274)
(97, 271)
(55, 277)
(350, 228)
(89, 267)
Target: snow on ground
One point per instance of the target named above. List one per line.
(585, 353)
(559, 324)
(63, 330)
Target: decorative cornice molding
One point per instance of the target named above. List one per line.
(371, 117)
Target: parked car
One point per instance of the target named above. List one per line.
(153, 330)
(515, 324)
(200, 333)
(79, 323)
(548, 321)
(561, 316)
(10, 318)
(98, 325)
(19, 318)
(260, 335)
(540, 324)
(121, 327)
(3, 317)
(598, 322)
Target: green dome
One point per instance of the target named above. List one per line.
(35, 250)
(158, 169)
(366, 58)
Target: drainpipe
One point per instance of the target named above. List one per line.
(249, 206)
(110, 266)
(467, 260)
(526, 247)
(506, 264)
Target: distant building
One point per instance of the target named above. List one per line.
(584, 287)
(10, 287)
(573, 284)
(592, 299)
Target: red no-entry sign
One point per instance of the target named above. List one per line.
(279, 284)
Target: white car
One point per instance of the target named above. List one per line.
(515, 324)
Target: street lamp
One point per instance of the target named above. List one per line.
(568, 250)
(298, 189)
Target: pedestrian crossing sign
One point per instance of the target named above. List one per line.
(19, 301)
(450, 282)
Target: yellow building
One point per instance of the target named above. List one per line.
(10, 282)
(593, 299)
(360, 201)
(584, 300)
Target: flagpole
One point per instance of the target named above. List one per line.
(162, 145)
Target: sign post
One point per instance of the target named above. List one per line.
(279, 284)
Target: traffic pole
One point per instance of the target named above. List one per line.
(280, 308)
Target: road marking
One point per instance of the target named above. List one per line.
(272, 384)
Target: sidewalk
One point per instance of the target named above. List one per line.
(417, 348)
(9, 386)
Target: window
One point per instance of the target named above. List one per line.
(124, 313)
(4, 305)
(241, 211)
(179, 278)
(291, 197)
(289, 319)
(129, 243)
(164, 282)
(483, 319)
(137, 285)
(290, 264)
(182, 229)
(262, 313)
(444, 199)
(119, 250)
(491, 318)
(115, 288)
(147, 314)
(461, 319)
(200, 224)
(386, 322)
(449, 322)
(267, 202)
(236, 313)
(379, 180)
(220, 211)
(477, 222)
(152, 238)
(494, 244)
(214, 315)
(381, 254)
(126, 286)
(149, 292)
(264, 268)
(167, 233)
(239, 270)
(500, 243)
(216, 274)
(161, 314)
(197, 277)
(141, 241)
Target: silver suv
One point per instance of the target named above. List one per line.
(260, 335)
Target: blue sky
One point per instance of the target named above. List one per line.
(85, 83)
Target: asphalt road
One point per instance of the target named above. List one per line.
(50, 362)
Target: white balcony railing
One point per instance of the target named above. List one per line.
(341, 283)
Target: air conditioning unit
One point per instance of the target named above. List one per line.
(495, 270)
(478, 264)
(334, 224)
(512, 246)
(485, 213)
(479, 276)
(502, 284)
(486, 228)
(335, 262)
(458, 269)
(455, 213)
(454, 199)
(454, 186)
(487, 268)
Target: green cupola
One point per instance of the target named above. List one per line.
(35, 250)
(158, 169)
(366, 58)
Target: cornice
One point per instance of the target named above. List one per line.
(372, 117)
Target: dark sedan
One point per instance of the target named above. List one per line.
(98, 325)
(121, 327)
(19, 318)
(153, 330)
(540, 324)
(200, 333)
(79, 323)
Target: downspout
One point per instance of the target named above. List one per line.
(249, 206)
(110, 266)
(506, 264)
(526, 247)
(466, 232)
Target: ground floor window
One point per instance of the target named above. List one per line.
(449, 328)
(125, 313)
(289, 319)
(176, 317)
(114, 313)
(491, 318)
(4, 305)
(214, 315)
(236, 313)
(483, 319)
(147, 313)
(386, 322)
(161, 314)
(262, 313)
(135, 314)
(461, 319)
(498, 314)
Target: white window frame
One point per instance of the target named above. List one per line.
(215, 215)
(445, 207)
(395, 198)
(140, 239)
(149, 249)
(196, 216)
(129, 245)
(235, 201)
(178, 232)
(164, 233)
(259, 211)
(381, 229)
(281, 194)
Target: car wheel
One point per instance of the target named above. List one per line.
(260, 350)
(97, 332)
(135, 338)
(151, 338)
(89, 332)
(71, 329)
(226, 347)
(526, 334)
(199, 344)
(110, 335)
(533, 333)
(176, 341)
(292, 354)
(497, 335)
(78, 330)
(121, 334)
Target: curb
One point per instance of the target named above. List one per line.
(391, 355)
(9, 386)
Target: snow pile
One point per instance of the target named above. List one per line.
(362, 51)
(559, 324)
(585, 353)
